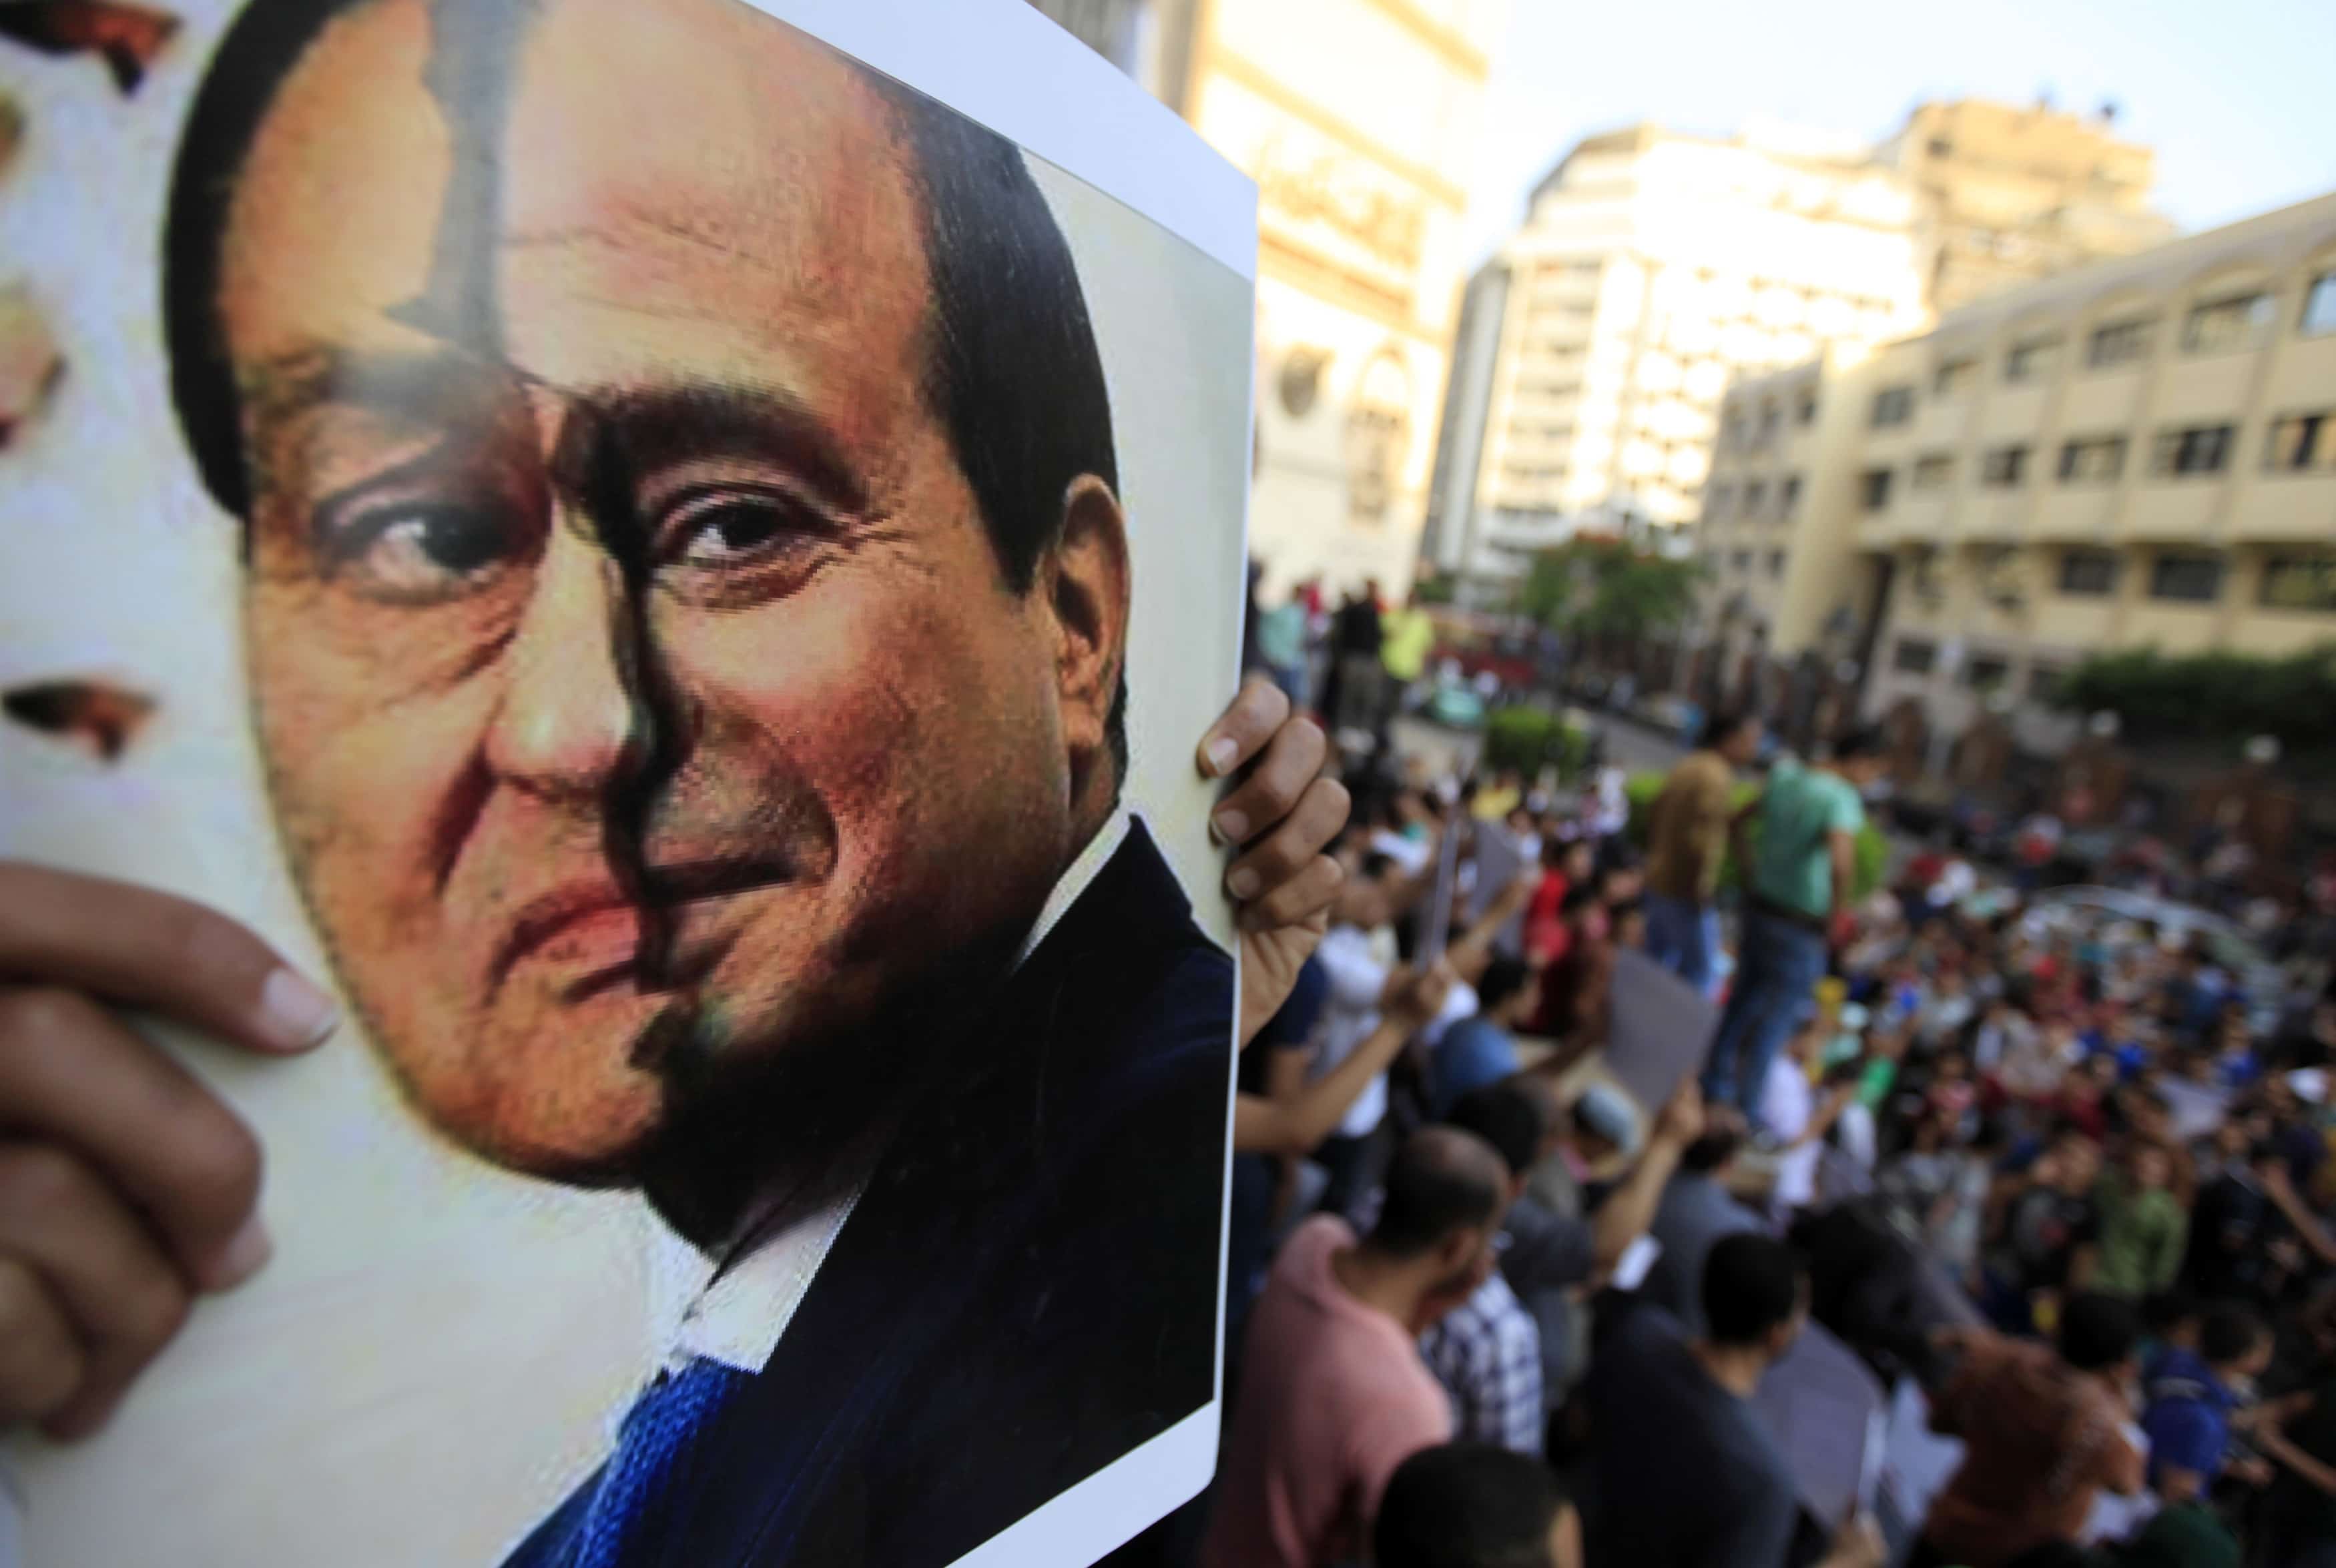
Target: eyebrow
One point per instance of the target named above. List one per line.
(658, 426)
(424, 386)
(648, 427)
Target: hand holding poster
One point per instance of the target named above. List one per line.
(657, 554)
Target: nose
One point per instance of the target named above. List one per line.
(570, 723)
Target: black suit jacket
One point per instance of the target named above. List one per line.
(1027, 1290)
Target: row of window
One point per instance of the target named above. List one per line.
(2222, 326)
(1980, 672)
(1741, 562)
(2298, 443)
(2289, 582)
(1755, 497)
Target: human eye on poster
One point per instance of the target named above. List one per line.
(678, 553)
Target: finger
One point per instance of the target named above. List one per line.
(1282, 854)
(1297, 900)
(148, 950)
(41, 1360)
(1241, 732)
(73, 1073)
(1292, 763)
(100, 1264)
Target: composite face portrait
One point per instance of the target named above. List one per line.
(697, 569)
(626, 638)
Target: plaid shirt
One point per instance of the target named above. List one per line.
(1486, 1353)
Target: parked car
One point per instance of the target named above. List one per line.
(2087, 908)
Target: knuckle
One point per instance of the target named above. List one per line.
(38, 1178)
(35, 1018)
(218, 1167)
(149, 1310)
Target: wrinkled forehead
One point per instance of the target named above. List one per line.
(478, 171)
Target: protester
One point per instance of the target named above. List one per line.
(1696, 1212)
(2044, 1430)
(2049, 1243)
(1475, 1506)
(1483, 1048)
(1681, 1469)
(1334, 1395)
(1486, 1351)
(1800, 891)
(1686, 841)
(2191, 1397)
(2143, 1229)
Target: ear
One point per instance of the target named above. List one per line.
(1086, 581)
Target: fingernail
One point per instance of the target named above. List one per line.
(294, 1013)
(1243, 883)
(1221, 753)
(244, 1257)
(1231, 827)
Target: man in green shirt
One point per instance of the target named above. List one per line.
(1798, 896)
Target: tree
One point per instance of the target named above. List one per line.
(1608, 591)
(2213, 695)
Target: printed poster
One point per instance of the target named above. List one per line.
(677, 554)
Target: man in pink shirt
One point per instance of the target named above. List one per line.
(1335, 1396)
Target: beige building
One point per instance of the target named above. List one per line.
(2013, 194)
(1360, 120)
(1653, 267)
(2138, 454)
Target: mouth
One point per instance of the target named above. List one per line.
(600, 933)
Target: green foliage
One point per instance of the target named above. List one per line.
(1606, 588)
(1439, 589)
(2224, 696)
(1527, 740)
(1872, 850)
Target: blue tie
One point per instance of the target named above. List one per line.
(653, 1434)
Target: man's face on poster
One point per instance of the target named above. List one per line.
(641, 655)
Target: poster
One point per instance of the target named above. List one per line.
(683, 575)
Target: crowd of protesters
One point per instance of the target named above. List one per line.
(2064, 1173)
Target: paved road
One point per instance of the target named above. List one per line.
(1629, 745)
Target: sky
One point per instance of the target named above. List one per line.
(2238, 97)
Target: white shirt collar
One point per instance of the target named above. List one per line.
(738, 1318)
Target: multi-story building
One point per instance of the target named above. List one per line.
(2011, 194)
(1653, 267)
(2141, 453)
(1361, 153)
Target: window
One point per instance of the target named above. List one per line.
(1954, 377)
(1985, 672)
(1933, 472)
(1874, 485)
(1716, 505)
(1741, 560)
(1770, 417)
(2197, 450)
(2003, 467)
(2319, 306)
(2299, 583)
(2302, 442)
(1805, 411)
(2222, 326)
(1913, 656)
(1775, 563)
(1892, 405)
(2032, 361)
(2193, 579)
(2097, 460)
(2118, 343)
(1789, 495)
(2044, 682)
(2088, 574)
(1756, 496)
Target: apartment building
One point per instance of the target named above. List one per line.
(2012, 193)
(2141, 453)
(1362, 154)
(1653, 267)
